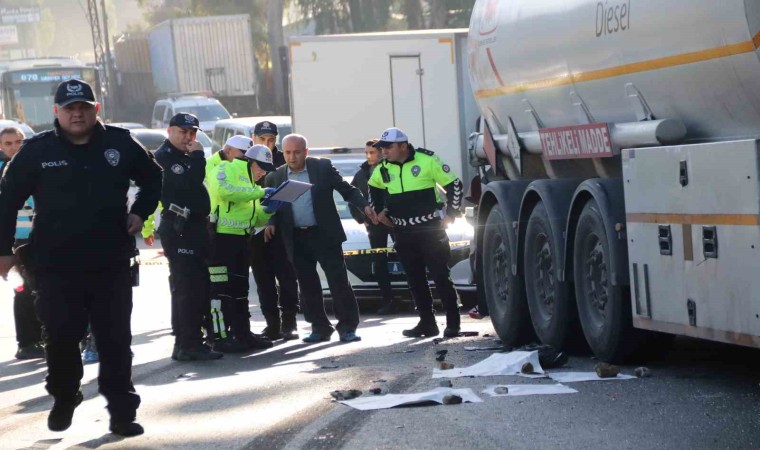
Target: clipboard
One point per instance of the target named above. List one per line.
(288, 191)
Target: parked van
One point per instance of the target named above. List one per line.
(208, 110)
(224, 129)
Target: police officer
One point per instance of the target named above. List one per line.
(403, 187)
(28, 327)
(235, 212)
(184, 236)
(275, 276)
(80, 246)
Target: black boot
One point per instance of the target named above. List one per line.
(426, 327)
(254, 342)
(62, 412)
(199, 352)
(388, 307)
(272, 330)
(126, 428)
(452, 324)
(289, 326)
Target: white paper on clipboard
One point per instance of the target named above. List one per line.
(289, 191)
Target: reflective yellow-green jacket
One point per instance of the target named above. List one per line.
(235, 199)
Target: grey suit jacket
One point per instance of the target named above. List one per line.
(324, 179)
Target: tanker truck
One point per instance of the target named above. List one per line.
(618, 164)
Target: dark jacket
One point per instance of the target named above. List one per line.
(278, 159)
(325, 179)
(80, 196)
(183, 180)
(360, 180)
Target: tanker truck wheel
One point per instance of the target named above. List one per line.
(504, 291)
(550, 301)
(604, 309)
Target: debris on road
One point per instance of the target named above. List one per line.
(452, 400)
(376, 391)
(330, 367)
(484, 349)
(515, 390)
(548, 356)
(346, 394)
(527, 368)
(443, 365)
(497, 364)
(441, 355)
(403, 351)
(445, 383)
(604, 370)
(380, 381)
(642, 372)
(391, 400)
(575, 377)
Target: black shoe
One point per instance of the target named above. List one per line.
(255, 342)
(62, 413)
(33, 351)
(197, 353)
(450, 332)
(423, 328)
(229, 345)
(126, 429)
(272, 332)
(387, 309)
(289, 335)
(289, 327)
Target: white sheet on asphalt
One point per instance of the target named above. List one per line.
(515, 390)
(369, 402)
(497, 364)
(574, 377)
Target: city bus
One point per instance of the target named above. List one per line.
(28, 88)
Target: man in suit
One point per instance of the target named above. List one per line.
(311, 230)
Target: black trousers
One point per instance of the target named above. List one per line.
(66, 302)
(378, 238)
(271, 267)
(228, 269)
(189, 280)
(28, 327)
(424, 247)
(309, 248)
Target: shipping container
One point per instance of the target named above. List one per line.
(204, 54)
(132, 53)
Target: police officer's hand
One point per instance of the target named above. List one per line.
(269, 233)
(194, 147)
(370, 213)
(383, 218)
(149, 240)
(6, 263)
(134, 224)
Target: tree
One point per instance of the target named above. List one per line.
(275, 10)
(413, 13)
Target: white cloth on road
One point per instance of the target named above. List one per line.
(514, 390)
(497, 364)
(390, 400)
(574, 377)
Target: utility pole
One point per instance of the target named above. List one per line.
(101, 59)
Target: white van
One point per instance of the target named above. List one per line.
(207, 109)
(224, 129)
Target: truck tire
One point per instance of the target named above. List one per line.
(504, 291)
(550, 301)
(604, 310)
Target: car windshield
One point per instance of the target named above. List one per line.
(206, 113)
(151, 140)
(203, 139)
(346, 166)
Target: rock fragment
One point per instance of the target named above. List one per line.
(452, 400)
(604, 370)
(345, 394)
(642, 372)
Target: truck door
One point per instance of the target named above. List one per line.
(406, 91)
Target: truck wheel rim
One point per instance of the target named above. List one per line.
(499, 270)
(544, 275)
(596, 279)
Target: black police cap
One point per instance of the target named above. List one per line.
(264, 128)
(185, 120)
(73, 91)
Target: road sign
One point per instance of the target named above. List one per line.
(21, 14)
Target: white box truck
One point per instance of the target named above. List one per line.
(621, 158)
(346, 89)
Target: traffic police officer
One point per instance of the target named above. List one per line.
(235, 212)
(80, 246)
(274, 273)
(184, 236)
(403, 187)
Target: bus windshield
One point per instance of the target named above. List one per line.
(28, 93)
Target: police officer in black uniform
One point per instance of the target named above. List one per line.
(81, 245)
(184, 235)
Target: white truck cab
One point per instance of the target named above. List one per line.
(208, 110)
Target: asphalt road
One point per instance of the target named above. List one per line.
(701, 395)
